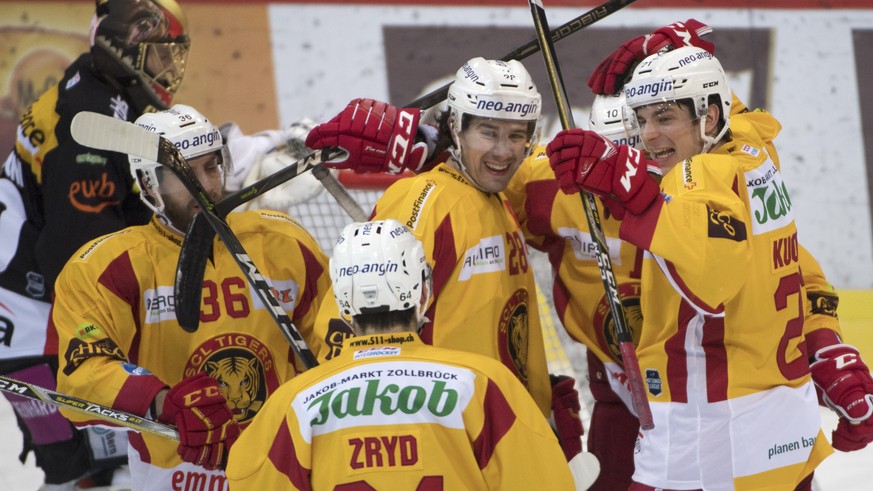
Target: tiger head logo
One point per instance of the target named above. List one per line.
(240, 382)
(513, 331)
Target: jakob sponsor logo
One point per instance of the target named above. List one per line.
(768, 199)
(386, 399)
(385, 393)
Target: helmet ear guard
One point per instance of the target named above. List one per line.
(686, 73)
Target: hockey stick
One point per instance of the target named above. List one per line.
(197, 246)
(107, 133)
(625, 340)
(104, 413)
(577, 24)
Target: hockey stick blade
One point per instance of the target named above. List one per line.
(585, 468)
(595, 227)
(191, 267)
(114, 416)
(574, 25)
(134, 140)
(197, 245)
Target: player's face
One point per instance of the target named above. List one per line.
(492, 150)
(179, 206)
(669, 133)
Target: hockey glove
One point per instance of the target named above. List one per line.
(847, 388)
(565, 414)
(377, 136)
(585, 160)
(612, 73)
(205, 423)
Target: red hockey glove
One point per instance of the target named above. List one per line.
(378, 137)
(611, 74)
(846, 386)
(206, 426)
(584, 159)
(565, 414)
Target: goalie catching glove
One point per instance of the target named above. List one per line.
(205, 423)
(611, 74)
(584, 159)
(845, 386)
(377, 137)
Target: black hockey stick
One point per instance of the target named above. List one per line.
(577, 24)
(195, 249)
(625, 340)
(197, 246)
(88, 408)
(106, 133)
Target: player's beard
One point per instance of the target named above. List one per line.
(181, 214)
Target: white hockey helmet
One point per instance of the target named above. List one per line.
(606, 119)
(686, 73)
(190, 132)
(494, 89)
(379, 267)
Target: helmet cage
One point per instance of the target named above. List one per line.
(143, 46)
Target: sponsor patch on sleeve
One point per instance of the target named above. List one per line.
(750, 150)
(723, 226)
(689, 180)
(823, 303)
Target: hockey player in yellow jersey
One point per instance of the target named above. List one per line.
(722, 297)
(414, 416)
(119, 341)
(553, 223)
(484, 298)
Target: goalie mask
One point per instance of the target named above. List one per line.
(379, 267)
(683, 74)
(501, 90)
(194, 136)
(606, 119)
(142, 46)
